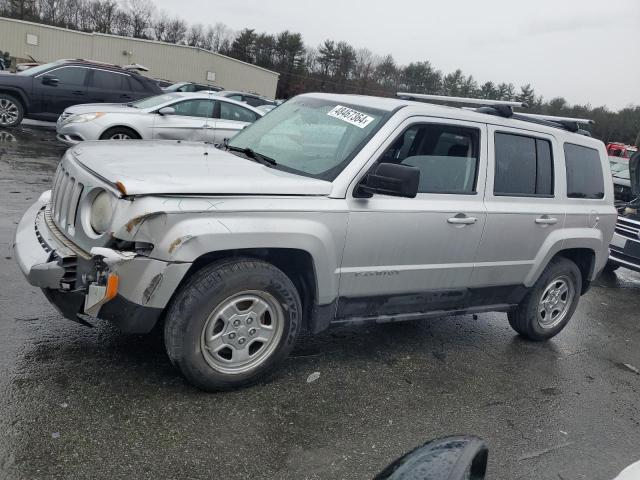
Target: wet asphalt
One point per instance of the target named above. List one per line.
(92, 403)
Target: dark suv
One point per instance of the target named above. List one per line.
(43, 92)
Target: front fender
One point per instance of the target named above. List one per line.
(184, 237)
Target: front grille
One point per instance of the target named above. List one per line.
(65, 197)
(628, 228)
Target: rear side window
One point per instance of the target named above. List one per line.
(524, 166)
(136, 85)
(584, 172)
(229, 111)
(446, 155)
(103, 80)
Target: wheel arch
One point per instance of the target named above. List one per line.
(297, 264)
(19, 94)
(113, 127)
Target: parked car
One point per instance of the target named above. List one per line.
(621, 180)
(617, 149)
(330, 210)
(170, 116)
(44, 91)
(625, 245)
(191, 87)
(249, 98)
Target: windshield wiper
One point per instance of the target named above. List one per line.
(253, 155)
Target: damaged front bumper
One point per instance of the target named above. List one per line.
(127, 289)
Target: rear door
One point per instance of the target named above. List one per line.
(523, 205)
(60, 88)
(230, 119)
(193, 120)
(107, 86)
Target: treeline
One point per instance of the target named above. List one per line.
(331, 67)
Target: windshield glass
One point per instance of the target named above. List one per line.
(154, 101)
(33, 71)
(620, 169)
(310, 136)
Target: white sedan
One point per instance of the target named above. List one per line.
(201, 116)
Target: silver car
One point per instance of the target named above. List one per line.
(331, 210)
(202, 117)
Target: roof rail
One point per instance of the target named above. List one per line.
(551, 118)
(472, 101)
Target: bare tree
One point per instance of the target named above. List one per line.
(141, 14)
(195, 35)
(103, 13)
(176, 31)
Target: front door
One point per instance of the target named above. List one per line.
(412, 255)
(60, 88)
(523, 211)
(192, 121)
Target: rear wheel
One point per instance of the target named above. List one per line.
(232, 324)
(120, 133)
(550, 304)
(11, 111)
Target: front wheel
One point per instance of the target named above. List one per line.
(11, 111)
(232, 324)
(550, 304)
(120, 133)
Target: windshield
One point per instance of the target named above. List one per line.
(620, 169)
(33, 71)
(156, 101)
(311, 136)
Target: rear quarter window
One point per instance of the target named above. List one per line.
(584, 172)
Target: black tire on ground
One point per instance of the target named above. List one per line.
(525, 318)
(611, 266)
(121, 133)
(207, 291)
(11, 111)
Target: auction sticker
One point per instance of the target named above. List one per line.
(351, 116)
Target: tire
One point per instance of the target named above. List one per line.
(11, 111)
(120, 133)
(249, 311)
(531, 319)
(611, 266)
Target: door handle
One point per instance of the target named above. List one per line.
(546, 220)
(207, 126)
(462, 219)
(78, 92)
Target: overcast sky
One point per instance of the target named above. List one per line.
(587, 51)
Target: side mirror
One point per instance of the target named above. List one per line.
(167, 111)
(451, 458)
(391, 179)
(50, 80)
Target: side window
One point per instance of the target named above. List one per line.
(136, 85)
(194, 108)
(524, 166)
(229, 111)
(254, 101)
(584, 172)
(70, 75)
(104, 80)
(446, 155)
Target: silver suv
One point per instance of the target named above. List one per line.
(330, 210)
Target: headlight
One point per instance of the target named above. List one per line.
(84, 117)
(101, 212)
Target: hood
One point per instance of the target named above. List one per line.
(100, 107)
(157, 167)
(634, 174)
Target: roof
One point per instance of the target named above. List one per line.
(389, 104)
